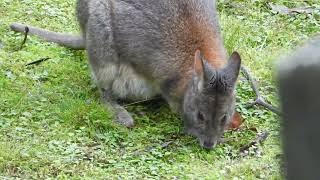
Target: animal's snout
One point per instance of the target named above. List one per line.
(209, 144)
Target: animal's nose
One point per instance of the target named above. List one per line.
(208, 145)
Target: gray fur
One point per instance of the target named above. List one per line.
(141, 48)
(214, 101)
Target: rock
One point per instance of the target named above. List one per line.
(299, 77)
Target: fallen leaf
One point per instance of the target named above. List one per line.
(10, 75)
(236, 121)
(254, 129)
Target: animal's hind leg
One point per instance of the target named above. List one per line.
(121, 114)
(105, 72)
(103, 56)
(105, 75)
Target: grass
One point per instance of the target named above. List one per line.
(52, 124)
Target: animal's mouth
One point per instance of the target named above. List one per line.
(204, 142)
(208, 144)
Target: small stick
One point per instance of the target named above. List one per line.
(166, 144)
(38, 61)
(225, 140)
(26, 31)
(259, 139)
(259, 99)
(142, 101)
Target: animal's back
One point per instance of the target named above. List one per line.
(158, 38)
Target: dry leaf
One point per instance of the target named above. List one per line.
(254, 129)
(236, 121)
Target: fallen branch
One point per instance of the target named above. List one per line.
(38, 61)
(166, 144)
(259, 100)
(26, 31)
(142, 101)
(225, 140)
(259, 139)
(285, 10)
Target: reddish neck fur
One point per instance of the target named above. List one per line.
(196, 33)
(203, 36)
(210, 43)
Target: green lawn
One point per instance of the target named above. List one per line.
(53, 125)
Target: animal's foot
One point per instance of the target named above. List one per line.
(123, 117)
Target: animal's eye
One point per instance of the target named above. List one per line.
(200, 117)
(224, 119)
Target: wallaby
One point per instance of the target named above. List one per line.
(141, 48)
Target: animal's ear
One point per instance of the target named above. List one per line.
(198, 75)
(233, 68)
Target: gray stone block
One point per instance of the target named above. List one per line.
(299, 82)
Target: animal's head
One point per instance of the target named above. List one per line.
(210, 99)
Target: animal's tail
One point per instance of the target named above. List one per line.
(67, 40)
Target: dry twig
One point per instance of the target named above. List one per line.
(142, 101)
(285, 10)
(259, 139)
(259, 100)
(38, 61)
